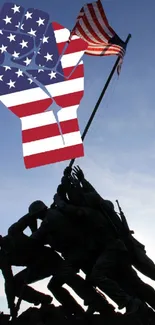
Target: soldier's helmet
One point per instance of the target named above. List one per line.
(37, 207)
(109, 204)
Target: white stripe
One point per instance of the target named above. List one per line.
(86, 31)
(83, 37)
(62, 35)
(23, 97)
(104, 50)
(95, 28)
(101, 52)
(48, 118)
(36, 120)
(53, 143)
(108, 46)
(68, 113)
(100, 19)
(71, 60)
(74, 37)
(66, 87)
(57, 89)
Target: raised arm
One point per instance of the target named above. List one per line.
(87, 187)
(20, 225)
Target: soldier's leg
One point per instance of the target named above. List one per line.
(64, 297)
(28, 293)
(91, 298)
(65, 275)
(41, 268)
(103, 276)
(50, 263)
(138, 287)
(82, 288)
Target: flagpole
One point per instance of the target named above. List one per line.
(100, 98)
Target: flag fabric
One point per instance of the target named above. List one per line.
(28, 92)
(93, 27)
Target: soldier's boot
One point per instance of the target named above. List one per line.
(33, 296)
(100, 309)
(99, 304)
(133, 305)
(93, 299)
(65, 298)
(115, 292)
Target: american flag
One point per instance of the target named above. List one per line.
(93, 27)
(50, 73)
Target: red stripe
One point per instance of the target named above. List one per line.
(104, 48)
(90, 29)
(78, 72)
(81, 33)
(100, 7)
(60, 47)
(76, 45)
(57, 26)
(39, 133)
(69, 126)
(54, 156)
(49, 131)
(96, 21)
(69, 99)
(27, 109)
(107, 53)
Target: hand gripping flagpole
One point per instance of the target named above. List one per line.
(100, 98)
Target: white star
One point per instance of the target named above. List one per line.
(19, 73)
(48, 57)
(15, 55)
(45, 39)
(27, 61)
(1, 78)
(11, 84)
(3, 48)
(15, 9)
(40, 70)
(32, 32)
(23, 44)
(28, 15)
(18, 25)
(6, 67)
(30, 80)
(52, 75)
(11, 37)
(1, 32)
(7, 20)
(40, 21)
(22, 27)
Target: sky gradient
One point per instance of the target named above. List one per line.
(120, 146)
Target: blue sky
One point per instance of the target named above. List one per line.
(120, 146)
